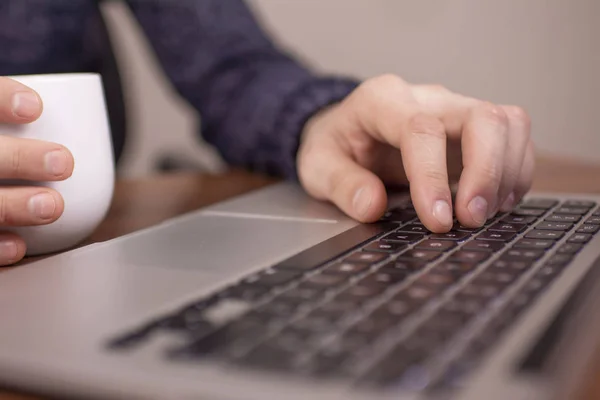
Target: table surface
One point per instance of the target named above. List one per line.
(141, 203)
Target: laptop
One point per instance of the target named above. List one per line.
(273, 295)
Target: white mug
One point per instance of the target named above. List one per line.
(74, 116)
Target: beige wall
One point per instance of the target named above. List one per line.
(541, 54)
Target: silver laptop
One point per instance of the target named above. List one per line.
(275, 296)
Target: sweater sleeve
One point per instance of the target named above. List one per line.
(253, 98)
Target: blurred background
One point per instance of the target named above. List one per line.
(541, 54)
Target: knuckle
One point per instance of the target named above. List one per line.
(437, 89)
(519, 115)
(373, 87)
(491, 173)
(3, 210)
(494, 114)
(388, 80)
(424, 125)
(435, 175)
(16, 160)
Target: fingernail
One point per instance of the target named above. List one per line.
(509, 203)
(8, 251)
(42, 205)
(362, 202)
(56, 162)
(478, 207)
(443, 213)
(25, 104)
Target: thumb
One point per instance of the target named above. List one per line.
(330, 174)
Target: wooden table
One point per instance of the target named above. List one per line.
(145, 202)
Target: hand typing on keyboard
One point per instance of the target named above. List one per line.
(388, 132)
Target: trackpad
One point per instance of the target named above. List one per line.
(217, 243)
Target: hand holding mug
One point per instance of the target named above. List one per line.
(48, 201)
(27, 159)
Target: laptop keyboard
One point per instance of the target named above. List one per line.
(384, 304)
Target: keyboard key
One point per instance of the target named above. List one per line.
(596, 213)
(279, 307)
(528, 212)
(593, 220)
(517, 219)
(350, 342)
(420, 255)
(403, 266)
(456, 269)
(437, 280)
(437, 245)
(383, 278)
(414, 228)
(338, 307)
(324, 281)
(522, 255)
(579, 238)
(359, 294)
(588, 228)
(395, 309)
(291, 335)
(453, 235)
(502, 277)
(491, 219)
(226, 339)
(302, 295)
(399, 216)
(579, 203)
(271, 356)
(372, 326)
(563, 218)
(538, 244)
(559, 259)
(506, 227)
(468, 256)
(332, 248)
(483, 245)
(572, 210)
(550, 271)
(458, 227)
(365, 257)
(346, 268)
(554, 226)
(328, 362)
(464, 306)
(570, 248)
(244, 291)
(273, 278)
(393, 366)
(480, 290)
(512, 265)
(385, 247)
(443, 324)
(501, 236)
(418, 294)
(331, 312)
(542, 234)
(316, 322)
(406, 237)
(541, 204)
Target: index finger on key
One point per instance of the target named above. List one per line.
(389, 113)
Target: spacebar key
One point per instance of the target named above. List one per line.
(326, 251)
